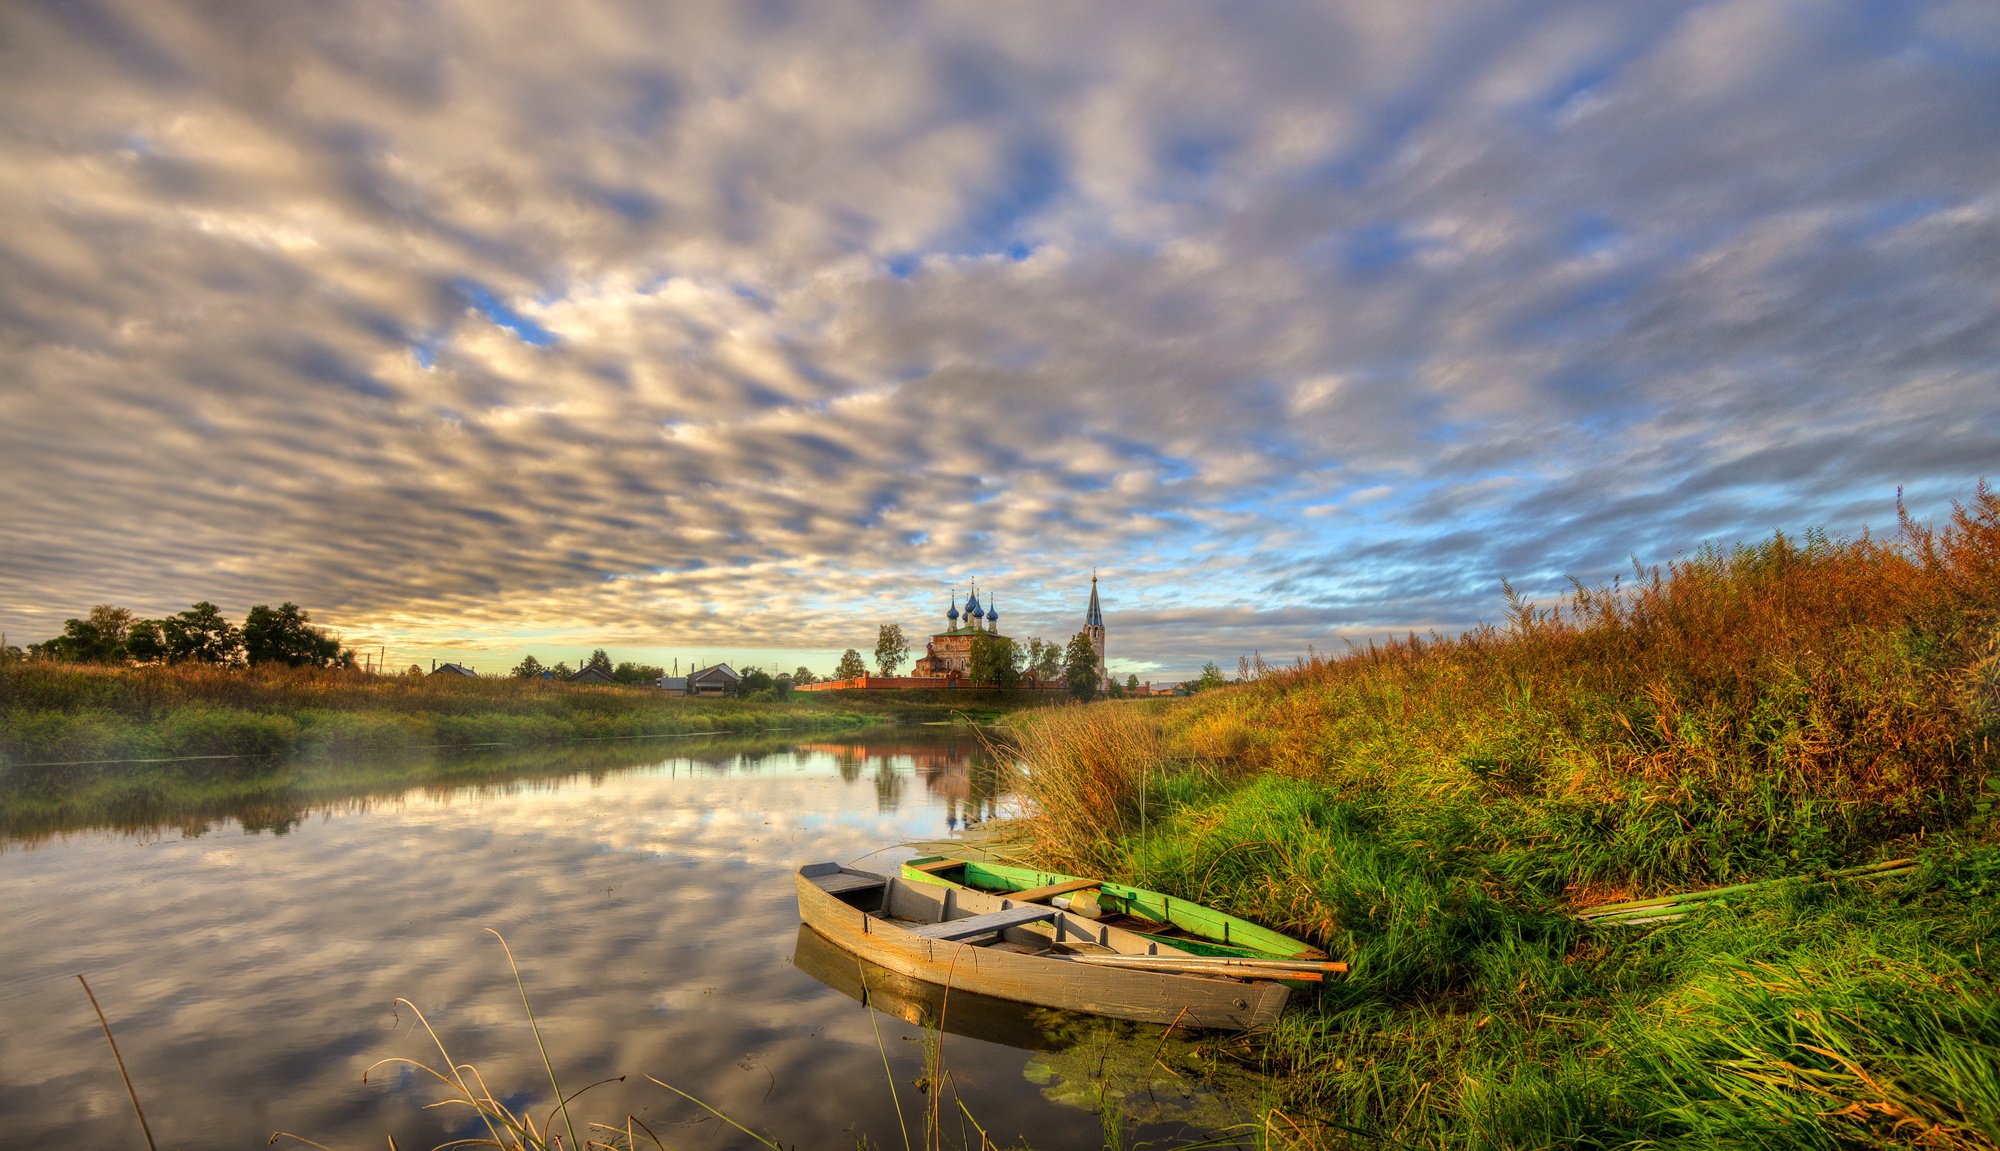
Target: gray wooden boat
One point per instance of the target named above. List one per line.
(1034, 952)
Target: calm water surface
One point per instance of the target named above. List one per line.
(249, 974)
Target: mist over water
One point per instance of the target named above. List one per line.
(250, 975)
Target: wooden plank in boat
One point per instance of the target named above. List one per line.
(987, 924)
(1038, 894)
(937, 865)
(846, 881)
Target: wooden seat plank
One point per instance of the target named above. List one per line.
(1038, 894)
(987, 924)
(844, 882)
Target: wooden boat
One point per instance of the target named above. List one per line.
(1034, 952)
(1184, 924)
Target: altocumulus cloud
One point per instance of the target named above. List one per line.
(749, 325)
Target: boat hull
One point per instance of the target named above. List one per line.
(877, 932)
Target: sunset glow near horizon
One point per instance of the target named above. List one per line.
(732, 331)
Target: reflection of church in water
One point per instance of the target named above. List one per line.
(961, 773)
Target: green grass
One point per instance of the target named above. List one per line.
(69, 713)
(1437, 810)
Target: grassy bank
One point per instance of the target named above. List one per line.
(1438, 810)
(72, 712)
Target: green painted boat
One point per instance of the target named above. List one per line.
(1181, 922)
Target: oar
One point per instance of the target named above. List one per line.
(1665, 907)
(1312, 971)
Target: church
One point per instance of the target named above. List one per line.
(947, 657)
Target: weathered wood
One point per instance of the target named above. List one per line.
(1329, 966)
(1219, 932)
(990, 923)
(1149, 963)
(1041, 894)
(887, 939)
(844, 883)
(1205, 965)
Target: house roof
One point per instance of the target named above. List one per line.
(592, 673)
(715, 671)
(454, 669)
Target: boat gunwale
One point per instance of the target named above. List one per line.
(1206, 1001)
(1195, 918)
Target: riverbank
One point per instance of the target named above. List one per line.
(1438, 811)
(69, 713)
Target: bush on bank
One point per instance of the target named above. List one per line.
(1437, 809)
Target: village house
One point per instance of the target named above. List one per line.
(716, 679)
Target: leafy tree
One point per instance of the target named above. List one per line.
(890, 648)
(850, 666)
(804, 676)
(97, 638)
(146, 643)
(992, 661)
(598, 659)
(637, 673)
(201, 635)
(756, 679)
(286, 635)
(1080, 667)
(1211, 677)
(528, 668)
(1132, 683)
(560, 670)
(1046, 659)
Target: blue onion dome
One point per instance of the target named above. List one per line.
(953, 613)
(993, 614)
(972, 608)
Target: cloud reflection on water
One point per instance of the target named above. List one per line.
(250, 976)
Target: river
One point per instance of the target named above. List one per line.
(249, 954)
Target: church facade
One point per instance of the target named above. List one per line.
(948, 655)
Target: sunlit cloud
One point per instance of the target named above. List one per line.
(741, 330)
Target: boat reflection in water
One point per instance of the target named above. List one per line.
(1173, 1086)
(929, 1005)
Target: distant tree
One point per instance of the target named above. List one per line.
(1132, 683)
(96, 638)
(804, 676)
(637, 673)
(414, 671)
(286, 635)
(1080, 667)
(528, 668)
(598, 659)
(850, 666)
(560, 670)
(992, 661)
(146, 643)
(12, 653)
(755, 679)
(201, 635)
(890, 648)
(1046, 659)
(1211, 677)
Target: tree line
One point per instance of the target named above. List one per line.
(199, 635)
(995, 661)
(751, 679)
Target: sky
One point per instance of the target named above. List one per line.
(734, 330)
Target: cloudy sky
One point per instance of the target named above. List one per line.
(733, 330)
